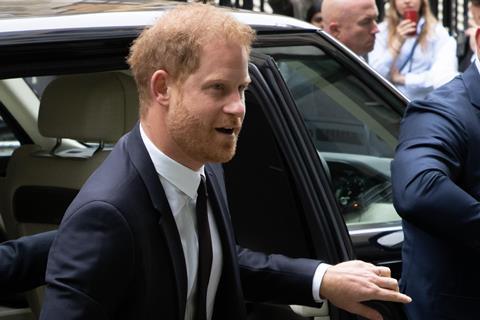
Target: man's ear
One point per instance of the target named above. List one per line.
(160, 87)
(334, 29)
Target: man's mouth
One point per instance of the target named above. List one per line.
(225, 130)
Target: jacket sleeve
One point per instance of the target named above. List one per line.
(270, 277)
(428, 162)
(276, 278)
(23, 262)
(89, 266)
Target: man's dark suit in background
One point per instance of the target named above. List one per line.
(436, 184)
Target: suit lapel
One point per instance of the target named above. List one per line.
(220, 211)
(229, 302)
(144, 166)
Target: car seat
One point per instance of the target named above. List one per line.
(93, 109)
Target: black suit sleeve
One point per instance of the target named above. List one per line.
(23, 262)
(276, 278)
(90, 265)
(270, 277)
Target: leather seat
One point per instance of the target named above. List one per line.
(40, 183)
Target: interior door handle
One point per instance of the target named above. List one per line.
(392, 240)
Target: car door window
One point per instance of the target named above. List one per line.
(8, 141)
(353, 129)
(38, 84)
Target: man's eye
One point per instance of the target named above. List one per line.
(367, 22)
(217, 86)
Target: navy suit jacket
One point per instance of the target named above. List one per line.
(23, 262)
(118, 254)
(436, 185)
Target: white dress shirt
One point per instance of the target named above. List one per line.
(180, 184)
(429, 68)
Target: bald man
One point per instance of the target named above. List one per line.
(352, 22)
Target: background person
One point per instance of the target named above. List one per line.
(416, 63)
(436, 189)
(352, 22)
(132, 245)
(469, 48)
(314, 14)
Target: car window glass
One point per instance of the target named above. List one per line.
(38, 84)
(353, 129)
(8, 141)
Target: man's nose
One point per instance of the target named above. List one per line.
(236, 105)
(374, 29)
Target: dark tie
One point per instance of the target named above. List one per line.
(204, 252)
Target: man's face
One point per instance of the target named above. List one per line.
(207, 110)
(357, 29)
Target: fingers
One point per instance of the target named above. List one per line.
(472, 24)
(406, 27)
(389, 295)
(386, 283)
(384, 272)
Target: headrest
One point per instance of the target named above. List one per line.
(89, 107)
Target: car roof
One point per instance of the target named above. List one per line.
(19, 16)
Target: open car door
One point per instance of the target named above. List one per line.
(281, 193)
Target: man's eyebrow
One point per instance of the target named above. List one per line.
(369, 17)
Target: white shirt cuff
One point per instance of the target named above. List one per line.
(317, 281)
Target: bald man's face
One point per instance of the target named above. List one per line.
(356, 26)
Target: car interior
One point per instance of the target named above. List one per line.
(40, 183)
(85, 114)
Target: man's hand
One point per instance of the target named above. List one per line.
(349, 283)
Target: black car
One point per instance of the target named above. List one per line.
(311, 177)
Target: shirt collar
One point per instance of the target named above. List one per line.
(185, 179)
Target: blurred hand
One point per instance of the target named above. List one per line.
(349, 283)
(404, 28)
(396, 77)
(472, 24)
